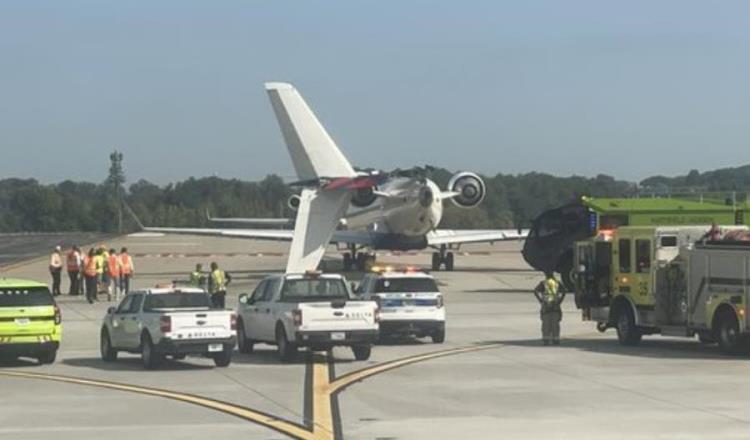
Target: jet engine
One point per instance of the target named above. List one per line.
(364, 197)
(470, 189)
(293, 202)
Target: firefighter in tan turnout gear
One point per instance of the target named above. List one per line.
(550, 297)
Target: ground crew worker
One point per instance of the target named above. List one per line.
(55, 269)
(127, 269)
(197, 277)
(73, 265)
(550, 297)
(713, 234)
(90, 275)
(217, 286)
(100, 265)
(113, 285)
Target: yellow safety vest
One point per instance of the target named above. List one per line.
(219, 281)
(196, 278)
(551, 290)
(99, 259)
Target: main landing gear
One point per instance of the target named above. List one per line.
(359, 260)
(442, 258)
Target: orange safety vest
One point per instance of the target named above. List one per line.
(72, 262)
(89, 266)
(114, 266)
(126, 264)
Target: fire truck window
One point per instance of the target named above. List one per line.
(624, 250)
(643, 255)
(668, 241)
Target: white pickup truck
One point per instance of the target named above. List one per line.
(168, 321)
(306, 310)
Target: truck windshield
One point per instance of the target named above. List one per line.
(25, 297)
(406, 285)
(313, 290)
(176, 300)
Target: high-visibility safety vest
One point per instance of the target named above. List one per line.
(126, 264)
(89, 266)
(196, 278)
(73, 261)
(100, 261)
(551, 290)
(113, 263)
(219, 281)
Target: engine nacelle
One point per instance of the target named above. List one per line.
(364, 197)
(293, 202)
(470, 189)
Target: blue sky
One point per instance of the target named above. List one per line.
(629, 89)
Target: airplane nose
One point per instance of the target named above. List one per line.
(426, 196)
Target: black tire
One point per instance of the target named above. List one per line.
(438, 336)
(449, 261)
(729, 333)
(224, 358)
(244, 345)
(627, 332)
(436, 261)
(347, 262)
(108, 353)
(287, 350)
(150, 356)
(47, 357)
(362, 352)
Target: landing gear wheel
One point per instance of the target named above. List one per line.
(347, 261)
(449, 261)
(150, 357)
(244, 345)
(224, 358)
(627, 333)
(47, 357)
(108, 353)
(438, 336)
(287, 350)
(436, 261)
(361, 352)
(729, 334)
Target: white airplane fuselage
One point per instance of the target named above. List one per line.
(405, 206)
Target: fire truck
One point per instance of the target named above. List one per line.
(668, 280)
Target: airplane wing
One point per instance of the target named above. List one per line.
(462, 236)
(318, 216)
(259, 234)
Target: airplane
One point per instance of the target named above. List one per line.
(360, 210)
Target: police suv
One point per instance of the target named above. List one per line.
(410, 302)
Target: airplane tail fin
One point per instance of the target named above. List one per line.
(314, 154)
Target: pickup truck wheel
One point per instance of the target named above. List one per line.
(287, 350)
(438, 336)
(108, 353)
(244, 344)
(47, 357)
(361, 352)
(224, 358)
(149, 355)
(627, 332)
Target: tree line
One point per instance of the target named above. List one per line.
(28, 205)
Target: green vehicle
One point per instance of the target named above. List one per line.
(30, 321)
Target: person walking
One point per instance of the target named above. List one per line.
(217, 286)
(55, 269)
(90, 276)
(127, 269)
(550, 298)
(73, 266)
(113, 280)
(197, 277)
(100, 264)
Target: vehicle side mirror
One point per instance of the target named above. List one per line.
(244, 299)
(111, 311)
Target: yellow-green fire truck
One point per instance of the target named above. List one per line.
(667, 280)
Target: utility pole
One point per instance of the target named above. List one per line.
(115, 180)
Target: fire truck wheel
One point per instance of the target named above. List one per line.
(627, 332)
(729, 333)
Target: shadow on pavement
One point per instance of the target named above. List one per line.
(133, 363)
(650, 347)
(269, 356)
(500, 290)
(18, 363)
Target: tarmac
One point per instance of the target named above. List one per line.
(491, 379)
